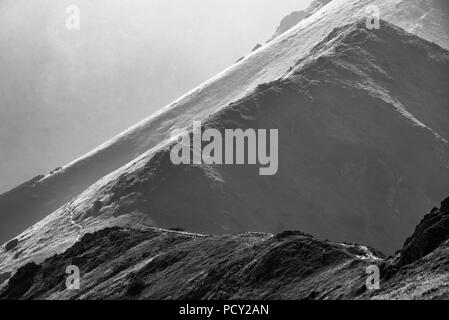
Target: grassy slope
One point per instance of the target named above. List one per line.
(119, 263)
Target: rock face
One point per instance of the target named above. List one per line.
(425, 18)
(429, 235)
(27, 205)
(296, 17)
(22, 281)
(346, 115)
(257, 46)
(289, 22)
(157, 264)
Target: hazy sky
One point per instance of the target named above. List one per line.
(63, 92)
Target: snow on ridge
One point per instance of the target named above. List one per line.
(267, 64)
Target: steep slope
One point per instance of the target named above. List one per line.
(296, 17)
(429, 235)
(120, 263)
(419, 270)
(29, 203)
(359, 161)
(425, 18)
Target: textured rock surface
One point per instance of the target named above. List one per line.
(296, 17)
(429, 235)
(11, 245)
(363, 151)
(122, 263)
(348, 170)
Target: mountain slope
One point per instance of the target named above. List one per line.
(296, 17)
(122, 263)
(345, 126)
(347, 172)
(28, 204)
(425, 18)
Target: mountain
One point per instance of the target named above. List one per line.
(425, 18)
(63, 92)
(363, 152)
(297, 16)
(121, 263)
(375, 169)
(363, 129)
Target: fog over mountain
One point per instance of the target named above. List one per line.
(64, 92)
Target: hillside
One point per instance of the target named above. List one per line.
(278, 63)
(425, 18)
(297, 16)
(375, 169)
(121, 263)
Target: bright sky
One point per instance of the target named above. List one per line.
(64, 92)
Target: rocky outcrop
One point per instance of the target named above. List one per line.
(354, 133)
(429, 235)
(21, 282)
(121, 263)
(289, 22)
(297, 16)
(11, 245)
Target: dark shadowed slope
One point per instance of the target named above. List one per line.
(28, 204)
(425, 18)
(420, 269)
(296, 17)
(120, 263)
(361, 159)
(362, 153)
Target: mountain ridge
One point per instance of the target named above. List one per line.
(151, 189)
(132, 183)
(347, 105)
(121, 263)
(21, 207)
